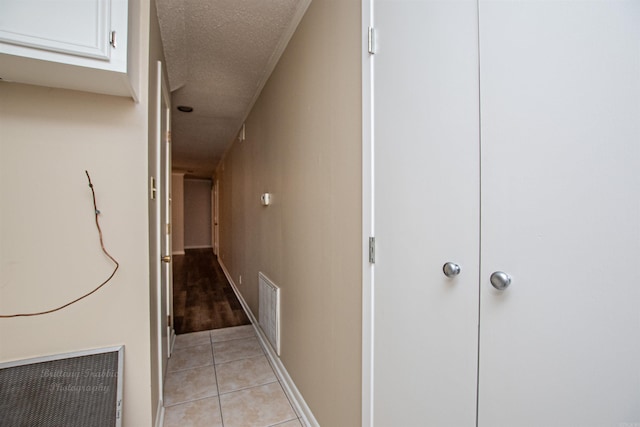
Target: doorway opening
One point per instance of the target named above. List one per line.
(203, 299)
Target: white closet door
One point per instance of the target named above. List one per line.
(426, 213)
(560, 134)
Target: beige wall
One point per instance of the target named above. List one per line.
(177, 213)
(49, 248)
(304, 146)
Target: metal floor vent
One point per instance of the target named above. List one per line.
(82, 389)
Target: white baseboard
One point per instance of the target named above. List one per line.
(178, 252)
(160, 415)
(290, 389)
(199, 247)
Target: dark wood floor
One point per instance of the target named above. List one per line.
(202, 296)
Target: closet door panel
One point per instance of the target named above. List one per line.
(426, 213)
(560, 135)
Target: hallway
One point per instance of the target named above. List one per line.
(202, 297)
(218, 373)
(222, 378)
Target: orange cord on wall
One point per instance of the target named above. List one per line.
(97, 212)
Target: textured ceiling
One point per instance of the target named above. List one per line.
(219, 54)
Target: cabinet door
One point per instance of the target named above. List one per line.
(76, 27)
(66, 44)
(560, 107)
(426, 213)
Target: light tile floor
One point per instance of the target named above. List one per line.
(222, 378)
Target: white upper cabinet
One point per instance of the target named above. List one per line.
(72, 44)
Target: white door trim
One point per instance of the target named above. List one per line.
(367, 216)
(157, 188)
(163, 182)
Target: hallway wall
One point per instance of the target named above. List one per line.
(303, 145)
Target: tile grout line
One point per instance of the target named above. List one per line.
(187, 369)
(285, 422)
(235, 339)
(215, 370)
(197, 399)
(248, 387)
(244, 358)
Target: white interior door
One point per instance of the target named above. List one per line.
(216, 209)
(560, 84)
(560, 197)
(426, 213)
(166, 291)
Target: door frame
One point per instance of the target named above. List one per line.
(168, 228)
(368, 230)
(162, 195)
(215, 201)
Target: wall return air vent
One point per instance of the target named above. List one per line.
(81, 389)
(269, 310)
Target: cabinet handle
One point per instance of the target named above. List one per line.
(500, 280)
(112, 39)
(451, 269)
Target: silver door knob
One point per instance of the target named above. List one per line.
(500, 280)
(451, 269)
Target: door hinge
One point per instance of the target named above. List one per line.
(112, 39)
(372, 250)
(372, 41)
(152, 188)
(168, 228)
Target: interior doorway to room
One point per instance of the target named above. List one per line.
(197, 213)
(203, 299)
(216, 212)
